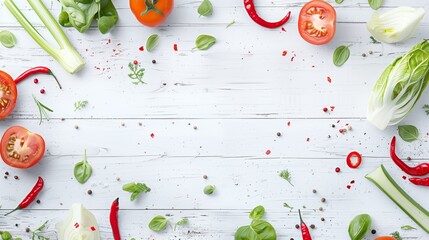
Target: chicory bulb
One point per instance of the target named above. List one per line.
(399, 87)
(395, 25)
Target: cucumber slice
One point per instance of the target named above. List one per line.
(384, 181)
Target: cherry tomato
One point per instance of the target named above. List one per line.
(316, 23)
(151, 13)
(350, 162)
(385, 238)
(8, 94)
(21, 148)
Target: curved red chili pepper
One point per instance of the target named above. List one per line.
(352, 164)
(114, 219)
(36, 70)
(419, 170)
(304, 229)
(419, 181)
(251, 10)
(31, 196)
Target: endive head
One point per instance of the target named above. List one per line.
(395, 25)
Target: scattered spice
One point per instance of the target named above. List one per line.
(322, 219)
(329, 80)
(409, 158)
(363, 54)
(89, 192)
(308, 139)
(268, 152)
(38, 201)
(6, 173)
(323, 200)
(297, 226)
(279, 134)
(175, 47)
(348, 186)
(154, 61)
(373, 231)
(205, 177)
(42, 91)
(352, 182)
(141, 48)
(36, 80)
(325, 109)
(16, 177)
(314, 191)
(284, 53)
(152, 135)
(404, 177)
(312, 226)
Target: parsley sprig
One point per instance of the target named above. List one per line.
(80, 104)
(137, 73)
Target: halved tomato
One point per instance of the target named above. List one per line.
(316, 23)
(151, 13)
(21, 148)
(8, 94)
(385, 238)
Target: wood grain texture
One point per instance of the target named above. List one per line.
(213, 113)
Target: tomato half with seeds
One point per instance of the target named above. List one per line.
(151, 13)
(385, 238)
(21, 148)
(316, 22)
(8, 94)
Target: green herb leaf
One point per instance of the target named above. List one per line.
(408, 133)
(36, 233)
(339, 1)
(209, 189)
(396, 235)
(182, 222)
(7, 39)
(408, 227)
(285, 174)
(257, 213)
(206, 8)
(375, 4)
(42, 110)
(259, 229)
(152, 42)
(426, 108)
(158, 223)
(136, 73)
(6, 235)
(80, 104)
(230, 24)
(287, 206)
(341, 55)
(359, 226)
(135, 189)
(374, 40)
(204, 42)
(82, 170)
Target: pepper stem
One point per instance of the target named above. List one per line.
(17, 208)
(55, 77)
(300, 217)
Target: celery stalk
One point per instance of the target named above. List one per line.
(66, 55)
(415, 211)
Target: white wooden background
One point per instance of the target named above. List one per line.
(213, 113)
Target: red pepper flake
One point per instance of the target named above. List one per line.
(108, 41)
(293, 57)
(337, 169)
(76, 225)
(352, 181)
(284, 53)
(283, 29)
(268, 152)
(342, 130)
(175, 47)
(135, 63)
(93, 228)
(332, 108)
(42, 91)
(329, 80)
(288, 124)
(141, 48)
(404, 177)
(338, 121)
(325, 109)
(308, 139)
(348, 186)
(36, 81)
(152, 135)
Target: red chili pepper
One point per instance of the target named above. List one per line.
(352, 164)
(31, 196)
(36, 70)
(114, 219)
(420, 181)
(251, 10)
(419, 170)
(304, 229)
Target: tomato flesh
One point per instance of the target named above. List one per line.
(21, 148)
(152, 17)
(8, 94)
(316, 23)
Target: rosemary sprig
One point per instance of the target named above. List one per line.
(136, 73)
(80, 104)
(42, 110)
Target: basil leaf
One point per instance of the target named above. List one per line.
(206, 8)
(152, 42)
(408, 133)
(246, 233)
(7, 39)
(339, 1)
(182, 222)
(257, 213)
(209, 189)
(408, 227)
(108, 16)
(359, 226)
(264, 230)
(204, 42)
(375, 4)
(82, 170)
(135, 189)
(158, 223)
(341, 54)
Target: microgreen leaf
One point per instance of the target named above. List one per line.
(7, 39)
(136, 73)
(42, 110)
(82, 170)
(152, 42)
(287, 206)
(374, 40)
(375, 4)
(285, 174)
(339, 1)
(158, 223)
(396, 235)
(341, 55)
(135, 189)
(408, 227)
(204, 42)
(209, 189)
(206, 8)
(36, 233)
(408, 133)
(80, 104)
(230, 24)
(257, 213)
(426, 108)
(182, 222)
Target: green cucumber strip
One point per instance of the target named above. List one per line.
(415, 211)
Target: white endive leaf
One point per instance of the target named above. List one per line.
(395, 25)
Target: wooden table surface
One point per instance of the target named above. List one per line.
(214, 113)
